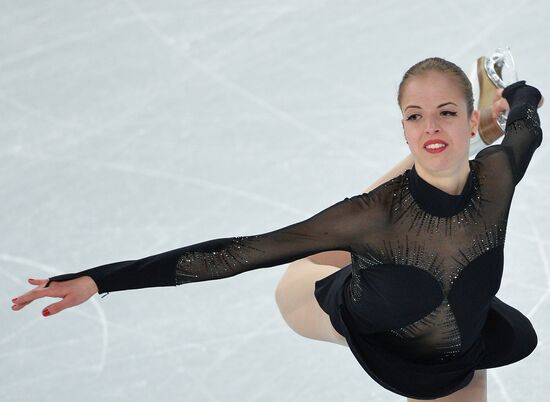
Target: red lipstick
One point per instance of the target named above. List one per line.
(435, 150)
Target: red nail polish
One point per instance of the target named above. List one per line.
(45, 313)
(13, 300)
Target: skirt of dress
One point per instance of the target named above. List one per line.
(507, 336)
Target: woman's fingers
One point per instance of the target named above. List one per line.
(38, 282)
(72, 292)
(52, 308)
(22, 301)
(500, 104)
(37, 293)
(17, 307)
(59, 306)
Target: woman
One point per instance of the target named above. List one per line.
(417, 306)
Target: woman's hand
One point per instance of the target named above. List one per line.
(73, 292)
(500, 104)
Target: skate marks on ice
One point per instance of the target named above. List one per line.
(224, 53)
(48, 271)
(212, 70)
(545, 266)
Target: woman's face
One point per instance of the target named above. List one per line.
(435, 110)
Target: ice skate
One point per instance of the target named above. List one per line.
(490, 77)
(489, 74)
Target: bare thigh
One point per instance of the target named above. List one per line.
(475, 391)
(299, 308)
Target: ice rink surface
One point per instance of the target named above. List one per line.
(134, 127)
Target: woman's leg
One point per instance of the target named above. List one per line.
(295, 291)
(298, 305)
(475, 391)
(299, 308)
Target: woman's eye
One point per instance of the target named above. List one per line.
(413, 117)
(448, 113)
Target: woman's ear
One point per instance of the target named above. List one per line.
(474, 121)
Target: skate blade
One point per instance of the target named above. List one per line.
(489, 129)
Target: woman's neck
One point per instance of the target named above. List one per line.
(451, 182)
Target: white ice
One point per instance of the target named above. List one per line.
(133, 127)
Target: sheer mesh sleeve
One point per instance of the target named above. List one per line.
(523, 134)
(335, 228)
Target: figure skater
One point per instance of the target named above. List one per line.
(404, 274)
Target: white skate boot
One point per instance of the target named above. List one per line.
(488, 75)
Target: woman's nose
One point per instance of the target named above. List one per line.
(431, 127)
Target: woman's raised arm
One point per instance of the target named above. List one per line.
(523, 134)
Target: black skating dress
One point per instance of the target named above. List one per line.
(417, 305)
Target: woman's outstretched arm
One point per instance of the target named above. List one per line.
(338, 227)
(337, 258)
(76, 288)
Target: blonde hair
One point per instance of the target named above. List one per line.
(443, 66)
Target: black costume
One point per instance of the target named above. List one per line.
(417, 305)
